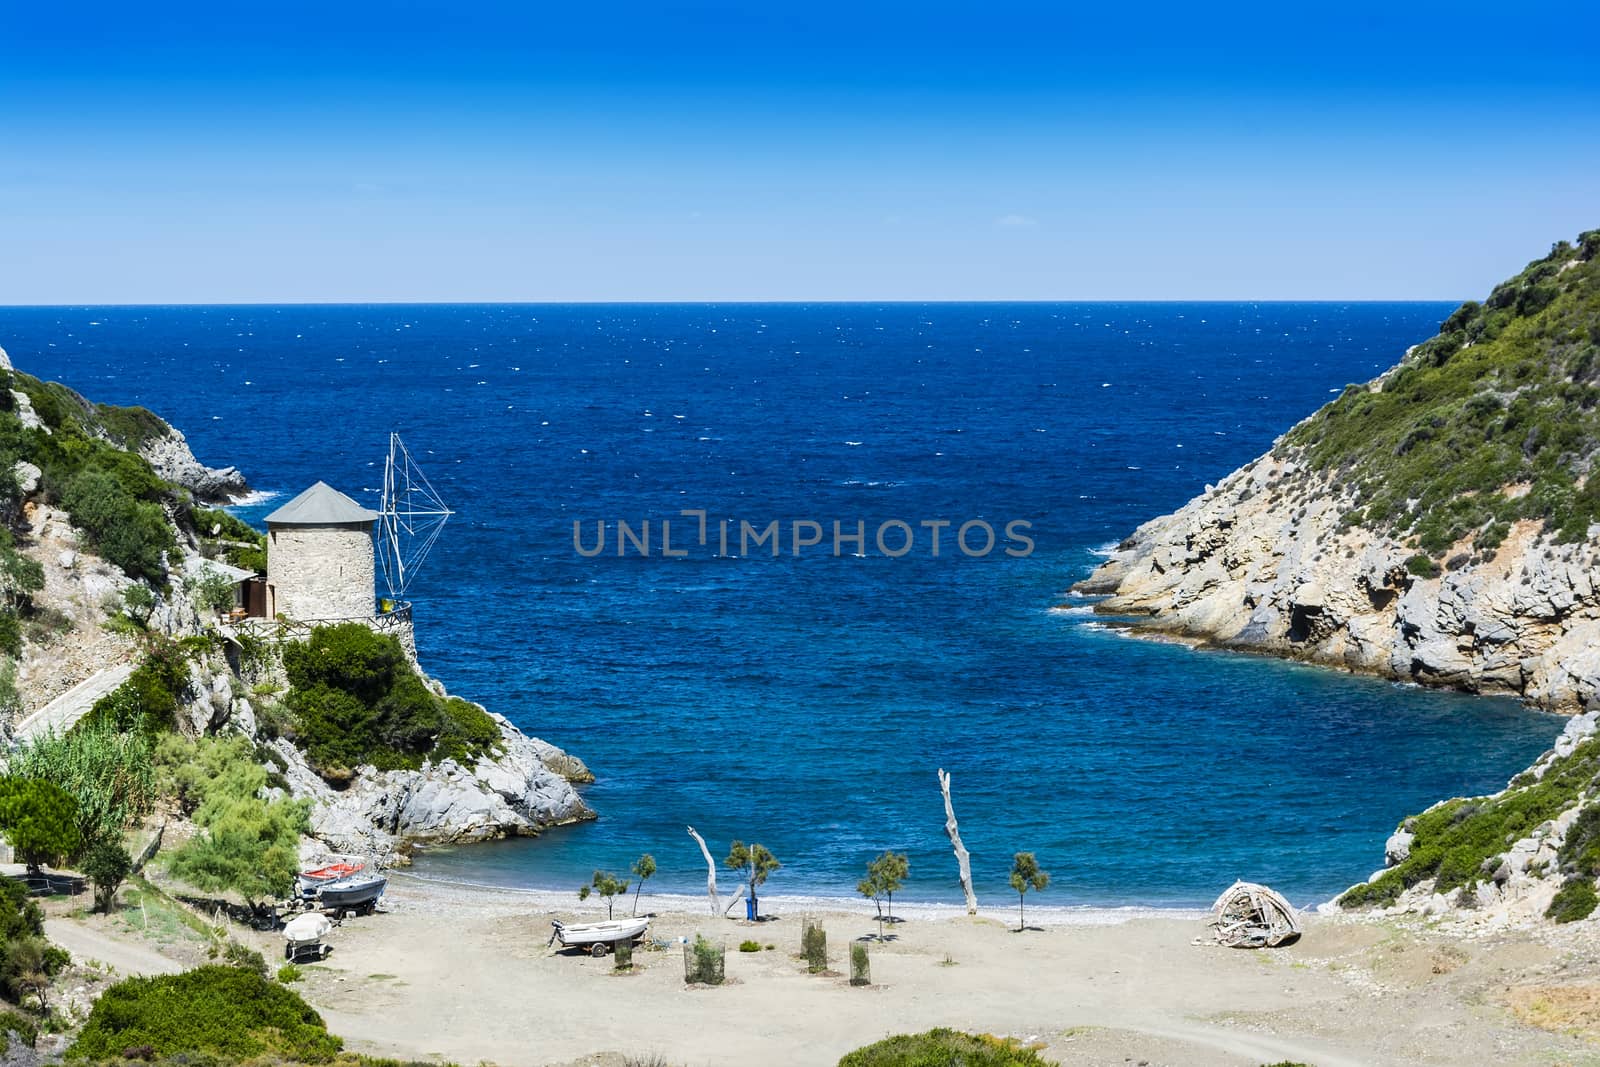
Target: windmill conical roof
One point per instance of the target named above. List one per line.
(321, 505)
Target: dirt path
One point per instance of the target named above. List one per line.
(87, 943)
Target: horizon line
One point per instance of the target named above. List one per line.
(737, 303)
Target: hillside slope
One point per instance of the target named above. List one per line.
(1437, 524)
(103, 532)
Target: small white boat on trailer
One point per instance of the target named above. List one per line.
(303, 936)
(598, 938)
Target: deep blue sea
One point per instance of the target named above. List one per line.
(807, 701)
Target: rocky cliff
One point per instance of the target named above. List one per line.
(1441, 525)
(1435, 525)
(77, 622)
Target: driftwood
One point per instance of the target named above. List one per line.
(735, 899)
(1248, 915)
(963, 860)
(711, 873)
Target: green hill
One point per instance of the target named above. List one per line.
(1494, 419)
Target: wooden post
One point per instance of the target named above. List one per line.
(711, 872)
(963, 860)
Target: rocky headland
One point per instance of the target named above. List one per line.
(102, 595)
(1439, 524)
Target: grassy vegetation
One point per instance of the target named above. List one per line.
(1573, 901)
(148, 701)
(356, 699)
(14, 1022)
(1454, 839)
(107, 772)
(944, 1048)
(1507, 394)
(151, 912)
(234, 1013)
(90, 466)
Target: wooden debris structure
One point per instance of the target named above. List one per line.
(1248, 915)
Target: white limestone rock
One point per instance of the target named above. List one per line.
(1398, 848)
(171, 457)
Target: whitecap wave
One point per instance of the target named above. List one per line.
(254, 497)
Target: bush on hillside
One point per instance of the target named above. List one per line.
(148, 701)
(1573, 901)
(944, 1048)
(108, 773)
(39, 819)
(247, 844)
(27, 960)
(1508, 392)
(1454, 839)
(131, 533)
(356, 699)
(232, 1013)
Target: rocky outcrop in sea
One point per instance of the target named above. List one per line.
(1264, 561)
(521, 789)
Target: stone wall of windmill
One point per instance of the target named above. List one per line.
(321, 567)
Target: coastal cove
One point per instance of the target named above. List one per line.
(806, 702)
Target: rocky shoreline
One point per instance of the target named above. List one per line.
(1265, 562)
(523, 786)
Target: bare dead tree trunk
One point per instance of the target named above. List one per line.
(963, 860)
(711, 872)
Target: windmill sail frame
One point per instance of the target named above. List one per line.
(410, 518)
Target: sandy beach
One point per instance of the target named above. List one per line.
(465, 974)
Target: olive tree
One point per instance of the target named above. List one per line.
(885, 874)
(1025, 875)
(754, 862)
(643, 868)
(607, 885)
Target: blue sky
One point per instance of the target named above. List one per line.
(425, 151)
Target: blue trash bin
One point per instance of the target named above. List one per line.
(750, 908)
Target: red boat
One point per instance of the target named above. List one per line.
(309, 880)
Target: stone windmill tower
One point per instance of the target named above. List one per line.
(320, 557)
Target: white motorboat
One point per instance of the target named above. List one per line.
(598, 937)
(303, 937)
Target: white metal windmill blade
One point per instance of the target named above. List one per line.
(410, 518)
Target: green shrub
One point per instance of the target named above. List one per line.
(1580, 850)
(108, 773)
(131, 427)
(131, 533)
(1422, 567)
(18, 1024)
(107, 864)
(814, 945)
(944, 1048)
(290, 973)
(704, 962)
(356, 699)
(148, 701)
(40, 819)
(236, 955)
(749, 946)
(247, 845)
(27, 960)
(1575, 900)
(233, 1013)
(1505, 393)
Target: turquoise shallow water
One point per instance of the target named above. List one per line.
(807, 701)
